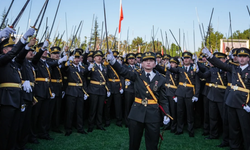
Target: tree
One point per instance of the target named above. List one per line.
(6, 21)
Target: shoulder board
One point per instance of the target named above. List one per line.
(82, 67)
(163, 75)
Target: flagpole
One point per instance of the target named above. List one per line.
(119, 34)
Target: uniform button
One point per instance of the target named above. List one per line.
(146, 91)
(237, 80)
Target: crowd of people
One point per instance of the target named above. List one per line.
(43, 87)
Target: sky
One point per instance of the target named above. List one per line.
(139, 17)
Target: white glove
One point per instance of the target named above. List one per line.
(231, 55)
(111, 57)
(121, 91)
(108, 94)
(195, 58)
(85, 97)
(175, 99)
(166, 120)
(168, 65)
(196, 67)
(206, 52)
(53, 96)
(71, 58)
(127, 83)
(87, 49)
(119, 61)
(45, 45)
(5, 33)
(194, 99)
(247, 108)
(29, 33)
(62, 59)
(63, 94)
(26, 86)
(90, 66)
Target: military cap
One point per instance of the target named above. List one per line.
(9, 42)
(234, 51)
(158, 55)
(138, 55)
(55, 50)
(243, 51)
(91, 53)
(219, 55)
(115, 53)
(187, 55)
(166, 56)
(174, 60)
(98, 53)
(148, 55)
(130, 56)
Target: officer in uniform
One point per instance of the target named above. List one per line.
(10, 88)
(166, 58)
(75, 93)
(238, 98)
(43, 93)
(138, 60)
(98, 90)
(172, 81)
(218, 82)
(129, 90)
(150, 92)
(159, 58)
(187, 93)
(28, 80)
(56, 82)
(114, 82)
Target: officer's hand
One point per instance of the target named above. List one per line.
(127, 83)
(108, 94)
(247, 108)
(168, 66)
(166, 120)
(29, 33)
(90, 66)
(85, 97)
(5, 33)
(121, 91)
(175, 99)
(53, 96)
(45, 45)
(62, 59)
(194, 99)
(26, 86)
(206, 52)
(111, 57)
(87, 49)
(196, 67)
(71, 58)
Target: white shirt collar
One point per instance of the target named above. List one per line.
(244, 67)
(187, 67)
(152, 75)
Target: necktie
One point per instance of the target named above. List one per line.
(148, 74)
(100, 67)
(186, 68)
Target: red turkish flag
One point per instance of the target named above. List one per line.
(121, 18)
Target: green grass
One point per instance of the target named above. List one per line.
(116, 138)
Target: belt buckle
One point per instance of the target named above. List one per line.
(210, 85)
(185, 84)
(101, 83)
(235, 87)
(113, 80)
(20, 86)
(168, 85)
(216, 85)
(77, 84)
(144, 102)
(58, 80)
(46, 80)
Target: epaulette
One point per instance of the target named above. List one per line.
(236, 64)
(163, 75)
(200, 61)
(82, 67)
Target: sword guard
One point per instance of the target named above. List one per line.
(34, 27)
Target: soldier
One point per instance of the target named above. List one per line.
(138, 59)
(56, 82)
(218, 80)
(150, 93)
(75, 93)
(129, 91)
(43, 93)
(116, 90)
(159, 58)
(172, 81)
(166, 58)
(10, 88)
(97, 90)
(233, 61)
(187, 93)
(238, 98)
(28, 100)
